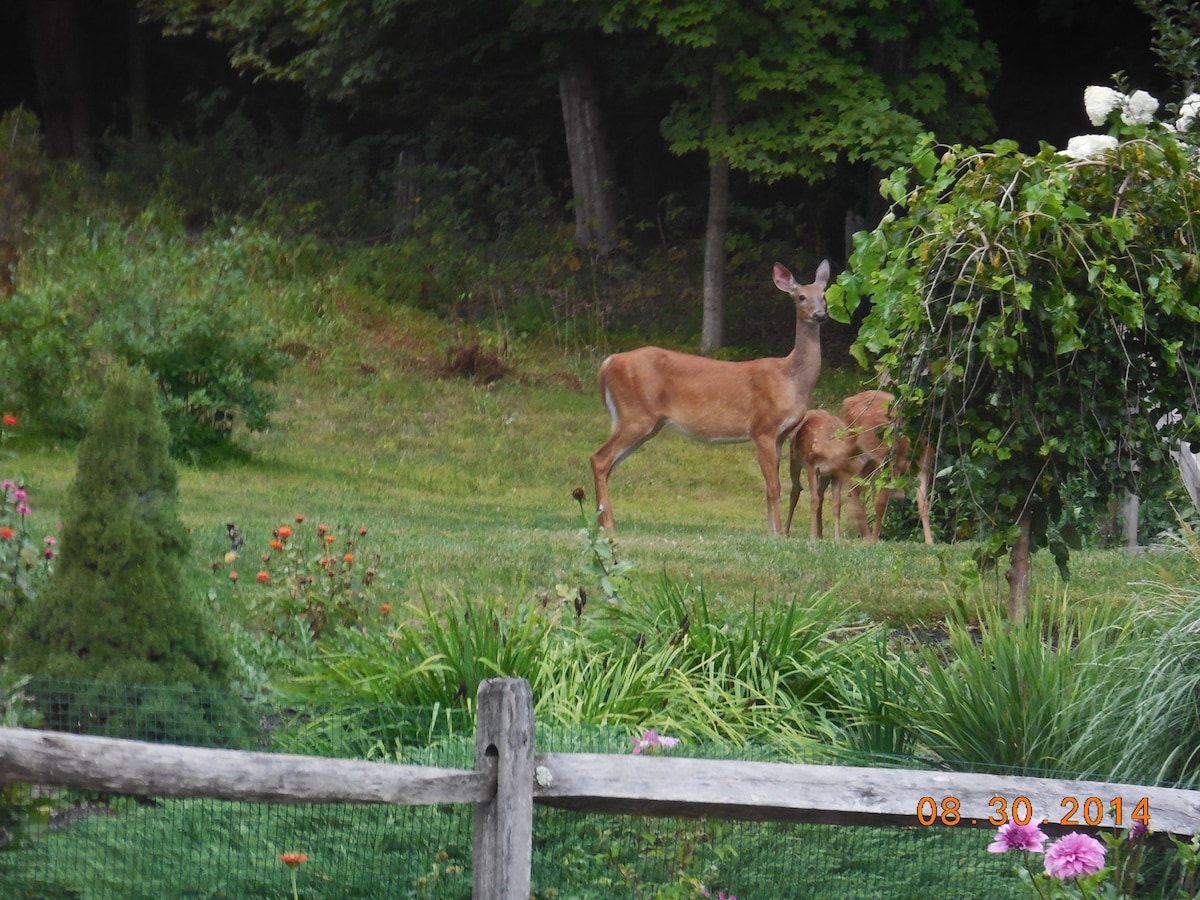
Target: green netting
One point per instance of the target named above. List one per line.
(102, 847)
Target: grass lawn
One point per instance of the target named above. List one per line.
(466, 489)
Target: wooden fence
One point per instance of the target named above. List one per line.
(509, 778)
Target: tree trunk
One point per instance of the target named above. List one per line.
(139, 106)
(57, 50)
(592, 169)
(1018, 571)
(712, 326)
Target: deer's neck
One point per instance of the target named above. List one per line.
(805, 358)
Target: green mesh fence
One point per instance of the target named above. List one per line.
(107, 847)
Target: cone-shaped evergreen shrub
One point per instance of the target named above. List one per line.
(117, 609)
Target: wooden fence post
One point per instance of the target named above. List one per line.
(503, 842)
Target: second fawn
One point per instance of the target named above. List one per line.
(825, 452)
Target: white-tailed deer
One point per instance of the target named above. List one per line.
(758, 400)
(824, 450)
(868, 416)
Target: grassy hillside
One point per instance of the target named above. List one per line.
(465, 487)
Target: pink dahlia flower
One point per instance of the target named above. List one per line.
(1073, 855)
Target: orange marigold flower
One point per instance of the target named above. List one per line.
(385, 608)
(284, 533)
(349, 557)
(10, 421)
(293, 859)
(6, 533)
(276, 545)
(263, 577)
(233, 576)
(329, 539)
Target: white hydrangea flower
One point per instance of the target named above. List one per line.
(1089, 146)
(1139, 109)
(1189, 111)
(1100, 101)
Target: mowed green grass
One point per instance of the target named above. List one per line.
(465, 490)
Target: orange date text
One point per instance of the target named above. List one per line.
(1072, 811)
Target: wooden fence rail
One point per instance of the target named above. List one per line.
(509, 778)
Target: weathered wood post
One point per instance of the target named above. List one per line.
(503, 848)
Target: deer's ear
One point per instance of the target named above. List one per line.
(783, 278)
(822, 273)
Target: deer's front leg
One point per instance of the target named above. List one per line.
(768, 448)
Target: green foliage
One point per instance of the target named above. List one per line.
(600, 562)
(1038, 315)
(1019, 698)
(25, 562)
(117, 609)
(226, 167)
(664, 658)
(22, 808)
(1176, 26)
(439, 660)
(806, 93)
(92, 290)
(311, 578)
(23, 171)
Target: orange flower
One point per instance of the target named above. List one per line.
(284, 533)
(276, 545)
(362, 531)
(329, 538)
(263, 577)
(385, 608)
(292, 860)
(349, 557)
(321, 529)
(6, 533)
(233, 576)
(300, 519)
(10, 421)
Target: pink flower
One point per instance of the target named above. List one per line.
(1012, 836)
(651, 739)
(1073, 855)
(23, 509)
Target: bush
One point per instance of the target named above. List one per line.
(95, 290)
(115, 609)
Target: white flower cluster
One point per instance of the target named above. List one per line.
(1189, 111)
(1089, 146)
(1137, 108)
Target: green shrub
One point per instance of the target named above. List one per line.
(94, 290)
(115, 609)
